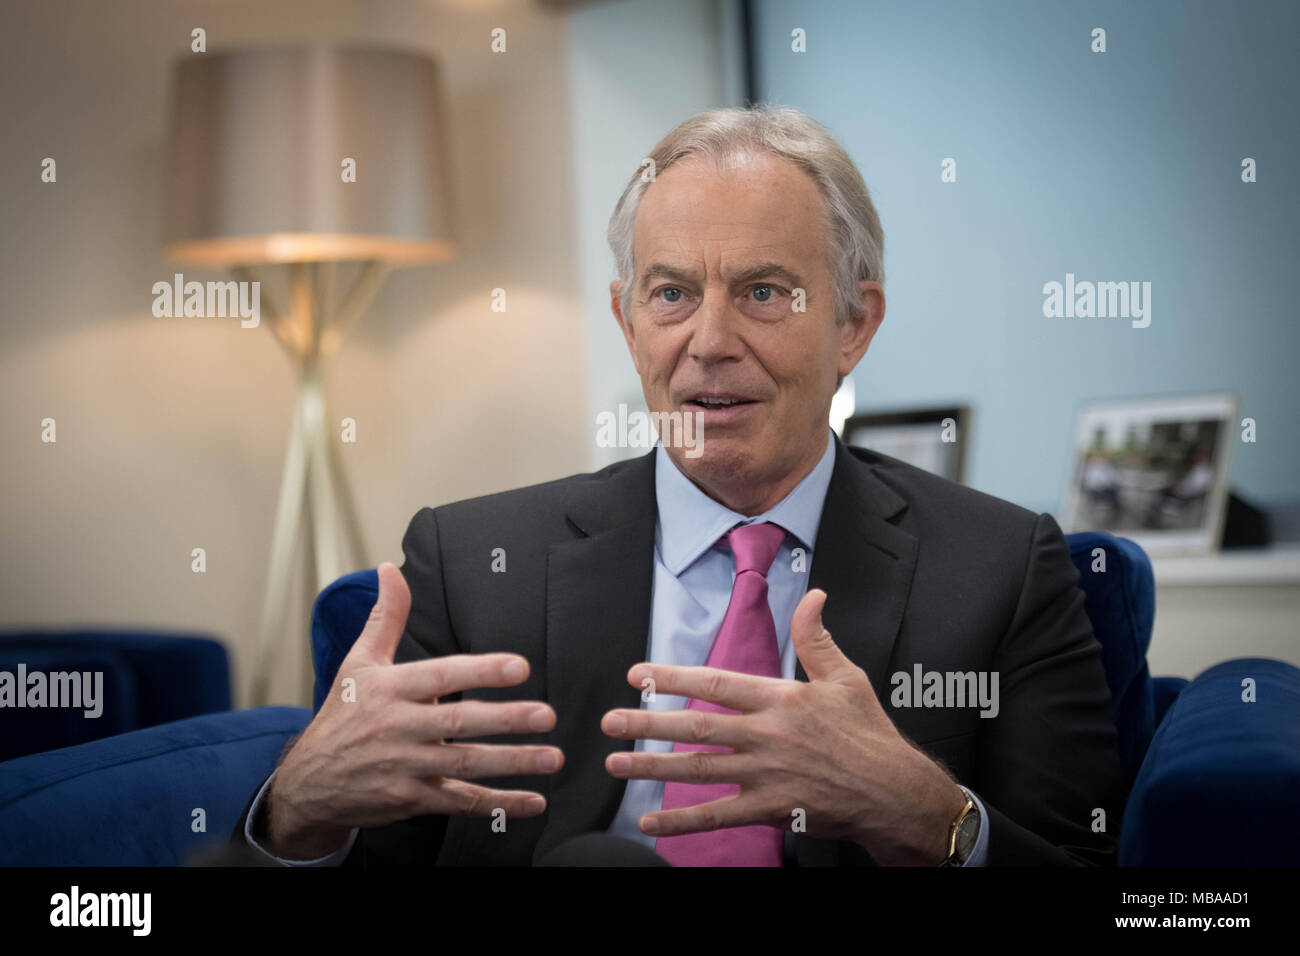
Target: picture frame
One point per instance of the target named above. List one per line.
(918, 436)
(1154, 470)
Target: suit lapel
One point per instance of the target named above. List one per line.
(597, 626)
(864, 563)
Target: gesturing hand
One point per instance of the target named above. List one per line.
(380, 753)
(825, 747)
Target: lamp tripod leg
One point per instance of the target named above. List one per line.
(293, 485)
(320, 480)
(347, 506)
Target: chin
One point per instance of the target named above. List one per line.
(721, 461)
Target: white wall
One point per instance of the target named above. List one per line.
(639, 67)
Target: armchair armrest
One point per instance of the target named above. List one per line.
(1218, 785)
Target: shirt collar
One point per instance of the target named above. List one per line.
(690, 522)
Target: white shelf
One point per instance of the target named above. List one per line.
(1264, 566)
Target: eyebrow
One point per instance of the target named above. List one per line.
(762, 270)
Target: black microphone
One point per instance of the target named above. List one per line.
(601, 849)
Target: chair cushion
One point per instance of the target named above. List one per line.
(129, 800)
(1166, 690)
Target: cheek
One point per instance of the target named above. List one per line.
(658, 357)
(801, 371)
(645, 356)
(655, 368)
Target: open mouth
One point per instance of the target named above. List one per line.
(717, 402)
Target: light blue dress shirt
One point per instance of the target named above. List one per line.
(692, 582)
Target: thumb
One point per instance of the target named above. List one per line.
(383, 630)
(817, 651)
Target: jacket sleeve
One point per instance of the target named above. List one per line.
(1049, 761)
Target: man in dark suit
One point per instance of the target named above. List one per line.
(880, 665)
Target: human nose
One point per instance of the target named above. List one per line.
(716, 333)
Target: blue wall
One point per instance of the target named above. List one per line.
(1116, 166)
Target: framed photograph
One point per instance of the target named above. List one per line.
(930, 438)
(1153, 470)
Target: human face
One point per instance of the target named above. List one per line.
(714, 314)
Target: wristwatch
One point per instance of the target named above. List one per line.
(964, 832)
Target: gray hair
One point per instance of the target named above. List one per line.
(856, 239)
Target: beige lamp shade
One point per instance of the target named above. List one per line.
(257, 148)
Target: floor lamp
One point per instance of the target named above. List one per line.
(316, 161)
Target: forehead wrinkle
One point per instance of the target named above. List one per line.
(772, 226)
(676, 226)
(748, 260)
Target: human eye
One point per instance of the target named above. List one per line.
(669, 299)
(765, 293)
(669, 303)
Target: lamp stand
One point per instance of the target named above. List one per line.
(313, 479)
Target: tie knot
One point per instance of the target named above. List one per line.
(754, 546)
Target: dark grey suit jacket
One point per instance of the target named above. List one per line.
(916, 569)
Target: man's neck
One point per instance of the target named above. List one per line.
(749, 501)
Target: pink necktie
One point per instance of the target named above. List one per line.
(746, 642)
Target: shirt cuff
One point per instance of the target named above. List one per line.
(980, 853)
(333, 859)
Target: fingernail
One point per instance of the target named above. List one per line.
(650, 825)
(619, 763)
(549, 762)
(514, 670)
(535, 805)
(617, 724)
(539, 720)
